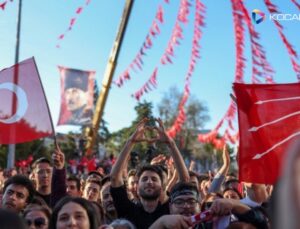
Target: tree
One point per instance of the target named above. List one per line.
(117, 139)
(196, 117)
(36, 148)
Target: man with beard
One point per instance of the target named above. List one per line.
(149, 187)
(150, 179)
(131, 186)
(42, 174)
(18, 192)
(110, 213)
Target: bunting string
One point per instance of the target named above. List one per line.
(261, 68)
(239, 43)
(3, 4)
(176, 36)
(198, 24)
(138, 62)
(212, 136)
(72, 22)
(291, 51)
(229, 116)
(296, 4)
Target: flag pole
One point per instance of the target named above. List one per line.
(12, 147)
(108, 75)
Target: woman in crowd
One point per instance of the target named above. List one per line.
(231, 193)
(73, 212)
(10, 220)
(37, 216)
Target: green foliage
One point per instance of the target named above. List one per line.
(196, 117)
(118, 139)
(35, 148)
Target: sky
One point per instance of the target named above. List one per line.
(88, 46)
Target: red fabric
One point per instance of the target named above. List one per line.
(198, 24)
(138, 61)
(274, 125)
(24, 113)
(2, 5)
(82, 116)
(91, 165)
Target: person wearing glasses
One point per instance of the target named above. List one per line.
(184, 202)
(37, 216)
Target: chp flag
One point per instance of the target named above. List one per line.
(269, 121)
(24, 111)
(77, 96)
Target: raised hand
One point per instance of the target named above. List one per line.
(225, 156)
(162, 134)
(158, 159)
(138, 134)
(58, 158)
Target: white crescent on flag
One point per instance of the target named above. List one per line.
(22, 102)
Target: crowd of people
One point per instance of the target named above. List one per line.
(162, 194)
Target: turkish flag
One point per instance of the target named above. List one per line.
(77, 96)
(269, 120)
(24, 112)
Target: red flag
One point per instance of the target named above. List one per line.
(24, 113)
(269, 120)
(77, 93)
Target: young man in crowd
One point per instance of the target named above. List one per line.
(42, 174)
(184, 203)
(18, 192)
(91, 190)
(73, 186)
(107, 204)
(131, 185)
(150, 179)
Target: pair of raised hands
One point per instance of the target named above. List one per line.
(142, 132)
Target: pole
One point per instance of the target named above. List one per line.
(12, 147)
(108, 75)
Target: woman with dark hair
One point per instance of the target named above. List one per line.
(9, 220)
(232, 193)
(73, 212)
(37, 216)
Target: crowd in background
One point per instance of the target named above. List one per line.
(166, 193)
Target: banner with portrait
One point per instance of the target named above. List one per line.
(77, 96)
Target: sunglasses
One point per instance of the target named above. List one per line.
(208, 204)
(36, 222)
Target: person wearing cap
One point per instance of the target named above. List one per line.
(76, 97)
(184, 202)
